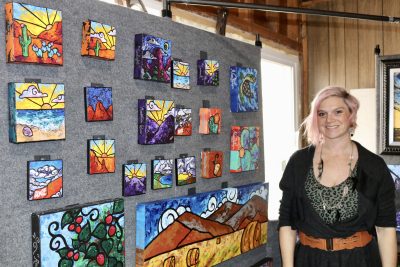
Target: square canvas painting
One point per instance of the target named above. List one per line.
(45, 179)
(33, 34)
(244, 89)
(36, 112)
(161, 170)
(183, 121)
(152, 58)
(82, 235)
(156, 121)
(98, 40)
(134, 179)
(99, 104)
(210, 121)
(185, 170)
(395, 172)
(203, 229)
(180, 75)
(245, 148)
(101, 156)
(211, 164)
(207, 72)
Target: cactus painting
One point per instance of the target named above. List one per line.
(33, 34)
(98, 40)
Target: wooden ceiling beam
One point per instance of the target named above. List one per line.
(311, 3)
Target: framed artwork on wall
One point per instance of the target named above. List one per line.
(210, 120)
(36, 112)
(185, 170)
(152, 58)
(33, 34)
(183, 121)
(245, 148)
(45, 179)
(395, 172)
(99, 104)
(388, 83)
(211, 164)
(244, 89)
(134, 179)
(101, 156)
(180, 75)
(161, 170)
(98, 40)
(82, 235)
(207, 72)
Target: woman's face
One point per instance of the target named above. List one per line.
(334, 118)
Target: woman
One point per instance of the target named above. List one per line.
(337, 196)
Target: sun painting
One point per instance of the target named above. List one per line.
(134, 180)
(98, 40)
(101, 156)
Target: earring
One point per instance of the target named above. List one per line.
(351, 131)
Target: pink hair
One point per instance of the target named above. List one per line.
(311, 121)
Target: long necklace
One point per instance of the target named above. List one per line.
(338, 204)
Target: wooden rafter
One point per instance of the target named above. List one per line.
(222, 18)
(310, 3)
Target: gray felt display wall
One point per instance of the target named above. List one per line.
(78, 72)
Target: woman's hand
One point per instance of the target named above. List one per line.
(287, 242)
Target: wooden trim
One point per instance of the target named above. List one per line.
(311, 3)
(304, 91)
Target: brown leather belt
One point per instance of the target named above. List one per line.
(357, 240)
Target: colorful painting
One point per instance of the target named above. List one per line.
(245, 148)
(180, 75)
(202, 230)
(98, 40)
(395, 172)
(45, 179)
(134, 179)
(207, 72)
(244, 89)
(161, 170)
(99, 105)
(33, 34)
(101, 156)
(152, 58)
(395, 112)
(185, 170)
(183, 121)
(89, 235)
(211, 164)
(156, 121)
(210, 121)
(36, 112)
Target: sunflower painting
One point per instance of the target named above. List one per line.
(33, 34)
(98, 40)
(101, 158)
(36, 112)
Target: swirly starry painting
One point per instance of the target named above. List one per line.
(395, 172)
(33, 34)
(98, 40)
(245, 148)
(89, 235)
(203, 229)
(134, 179)
(99, 104)
(161, 170)
(244, 89)
(36, 112)
(45, 179)
(207, 72)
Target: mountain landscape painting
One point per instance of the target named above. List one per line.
(245, 148)
(98, 40)
(33, 34)
(185, 170)
(183, 121)
(101, 156)
(244, 89)
(207, 72)
(156, 121)
(99, 105)
(161, 170)
(201, 230)
(134, 179)
(45, 179)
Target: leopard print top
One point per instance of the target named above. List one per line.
(337, 208)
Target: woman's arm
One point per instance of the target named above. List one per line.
(387, 243)
(287, 242)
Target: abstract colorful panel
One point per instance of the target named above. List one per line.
(210, 121)
(98, 40)
(245, 148)
(99, 105)
(161, 170)
(180, 75)
(33, 34)
(36, 112)
(156, 121)
(101, 156)
(152, 58)
(244, 89)
(207, 72)
(203, 229)
(185, 170)
(89, 235)
(45, 179)
(183, 121)
(134, 179)
(211, 164)
(395, 172)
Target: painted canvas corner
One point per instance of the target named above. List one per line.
(98, 40)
